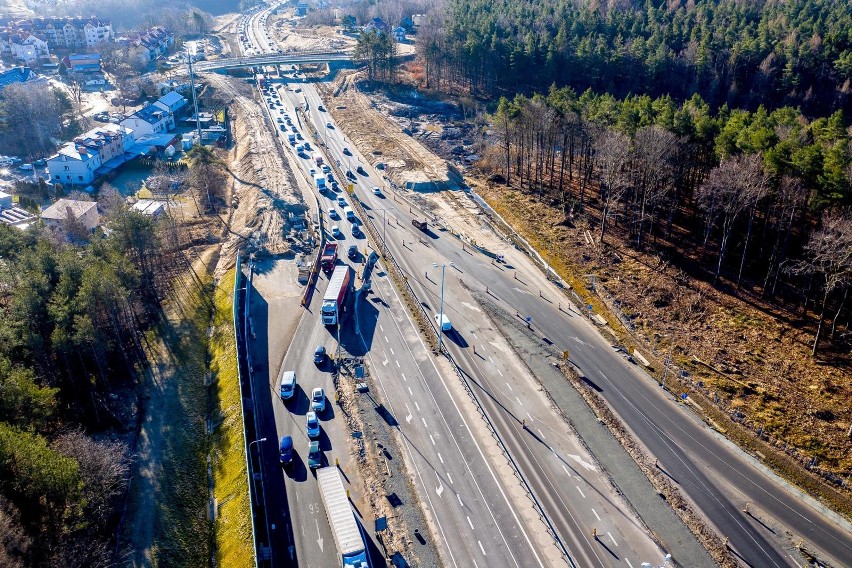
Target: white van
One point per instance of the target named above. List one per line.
(349, 214)
(288, 384)
(442, 321)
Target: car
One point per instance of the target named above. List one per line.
(299, 135)
(319, 355)
(26, 167)
(325, 168)
(334, 214)
(315, 456)
(312, 425)
(329, 177)
(377, 190)
(335, 232)
(280, 119)
(335, 186)
(313, 171)
(347, 151)
(318, 399)
(321, 108)
(341, 201)
(356, 231)
(328, 125)
(282, 127)
(287, 385)
(352, 253)
(285, 450)
(40, 163)
(360, 170)
(307, 145)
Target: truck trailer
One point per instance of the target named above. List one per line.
(341, 519)
(335, 295)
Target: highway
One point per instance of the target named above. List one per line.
(574, 509)
(718, 478)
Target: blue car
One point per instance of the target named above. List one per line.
(285, 450)
(319, 355)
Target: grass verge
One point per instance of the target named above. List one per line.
(232, 528)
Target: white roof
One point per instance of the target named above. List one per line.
(148, 206)
(171, 99)
(59, 210)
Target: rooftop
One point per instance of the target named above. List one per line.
(59, 210)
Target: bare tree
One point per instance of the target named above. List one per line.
(14, 542)
(755, 187)
(829, 256)
(612, 150)
(654, 152)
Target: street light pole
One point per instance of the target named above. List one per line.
(668, 363)
(440, 321)
(251, 467)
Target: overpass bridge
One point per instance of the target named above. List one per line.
(292, 58)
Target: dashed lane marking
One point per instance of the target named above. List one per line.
(481, 548)
(581, 491)
(598, 517)
(470, 523)
(440, 458)
(609, 534)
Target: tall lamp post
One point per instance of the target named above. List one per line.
(441, 312)
(251, 468)
(668, 363)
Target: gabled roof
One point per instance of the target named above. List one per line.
(150, 113)
(171, 99)
(16, 75)
(59, 210)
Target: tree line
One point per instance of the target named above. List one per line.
(743, 54)
(76, 308)
(735, 191)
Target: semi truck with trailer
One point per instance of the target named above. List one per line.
(344, 527)
(335, 295)
(329, 257)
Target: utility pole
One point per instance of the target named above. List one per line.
(194, 98)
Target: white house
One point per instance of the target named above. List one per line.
(171, 102)
(86, 212)
(27, 48)
(93, 154)
(150, 119)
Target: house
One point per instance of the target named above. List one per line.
(399, 34)
(378, 25)
(301, 8)
(17, 75)
(150, 119)
(171, 102)
(86, 212)
(84, 68)
(418, 20)
(95, 153)
(164, 87)
(148, 45)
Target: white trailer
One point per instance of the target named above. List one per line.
(341, 519)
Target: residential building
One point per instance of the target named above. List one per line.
(150, 119)
(24, 46)
(66, 33)
(150, 44)
(301, 8)
(17, 75)
(95, 153)
(11, 214)
(165, 87)
(171, 102)
(418, 20)
(399, 34)
(84, 68)
(378, 25)
(86, 212)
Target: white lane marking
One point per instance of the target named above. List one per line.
(482, 549)
(386, 339)
(609, 534)
(391, 350)
(403, 377)
(440, 458)
(440, 488)
(566, 470)
(470, 523)
(581, 491)
(490, 359)
(497, 346)
(519, 401)
(510, 386)
(432, 439)
(460, 501)
(424, 422)
(628, 563)
(540, 433)
(380, 327)
(598, 517)
(450, 477)
(397, 363)
(473, 333)
(519, 290)
(385, 363)
(470, 306)
(529, 416)
(408, 416)
(498, 372)
(582, 462)
(409, 391)
(417, 406)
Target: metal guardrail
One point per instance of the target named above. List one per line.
(272, 59)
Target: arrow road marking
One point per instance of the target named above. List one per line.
(319, 536)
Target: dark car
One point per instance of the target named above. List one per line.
(285, 450)
(356, 231)
(352, 253)
(319, 355)
(314, 455)
(360, 170)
